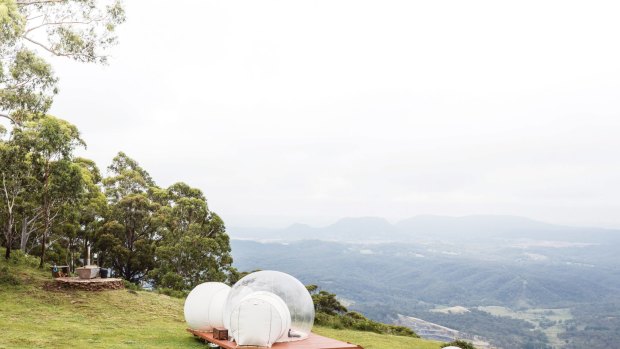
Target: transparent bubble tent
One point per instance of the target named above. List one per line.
(261, 309)
(290, 290)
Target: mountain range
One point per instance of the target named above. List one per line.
(427, 228)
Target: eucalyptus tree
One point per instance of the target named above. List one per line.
(194, 247)
(129, 235)
(84, 216)
(50, 143)
(81, 30)
(15, 175)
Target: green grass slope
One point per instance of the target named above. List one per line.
(31, 317)
(371, 340)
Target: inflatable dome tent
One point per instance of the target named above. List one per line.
(204, 306)
(286, 288)
(260, 319)
(261, 309)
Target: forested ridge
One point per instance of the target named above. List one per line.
(54, 204)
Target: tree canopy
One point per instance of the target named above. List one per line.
(54, 204)
(80, 30)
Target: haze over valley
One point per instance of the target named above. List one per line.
(515, 282)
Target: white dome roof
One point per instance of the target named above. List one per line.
(204, 306)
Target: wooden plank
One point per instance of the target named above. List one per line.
(314, 341)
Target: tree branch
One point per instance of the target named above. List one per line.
(38, 2)
(62, 23)
(8, 117)
(46, 48)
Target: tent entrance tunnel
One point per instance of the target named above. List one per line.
(263, 309)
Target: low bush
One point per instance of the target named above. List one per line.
(331, 313)
(19, 257)
(7, 278)
(131, 286)
(356, 321)
(459, 343)
(172, 293)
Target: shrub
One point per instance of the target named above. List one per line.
(7, 278)
(131, 286)
(357, 321)
(172, 293)
(459, 343)
(19, 257)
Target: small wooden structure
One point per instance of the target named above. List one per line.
(220, 333)
(314, 341)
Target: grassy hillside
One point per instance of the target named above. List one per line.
(371, 340)
(31, 317)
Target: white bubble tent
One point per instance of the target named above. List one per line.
(204, 306)
(261, 309)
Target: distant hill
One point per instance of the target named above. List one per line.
(421, 228)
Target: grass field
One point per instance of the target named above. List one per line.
(370, 340)
(31, 317)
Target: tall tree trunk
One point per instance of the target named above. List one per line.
(43, 243)
(9, 237)
(28, 227)
(10, 203)
(46, 230)
(24, 235)
(46, 208)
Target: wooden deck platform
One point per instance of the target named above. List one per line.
(314, 341)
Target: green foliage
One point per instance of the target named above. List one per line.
(194, 246)
(7, 278)
(54, 207)
(331, 313)
(12, 22)
(325, 302)
(46, 145)
(235, 275)
(76, 29)
(166, 236)
(357, 321)
(459, 343)
(173, 293)
(132, 286)
(128, 236)
(29, 85)
(19, 257)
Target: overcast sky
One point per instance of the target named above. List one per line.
(307, 111)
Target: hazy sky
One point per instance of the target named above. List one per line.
(306, 111)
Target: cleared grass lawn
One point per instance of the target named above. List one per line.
(370, 340)
(31, 317)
